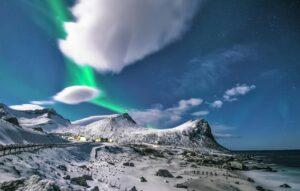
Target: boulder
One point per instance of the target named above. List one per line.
(96, 188)
(128, 164)
(250, 180)
(80, 181)
(62, 167)
(164, 173)
(235, 165)
(39, 129)
(285, 186)
(133, 189)
(67, 177)
(181, 185)
(143, 179)
(12, 185)
(259, 188)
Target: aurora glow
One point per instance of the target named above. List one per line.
(251, 43)
(78, 75)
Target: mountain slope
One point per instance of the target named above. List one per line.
(121, 128)
(13, 134)
(47, 119)
(192, 134)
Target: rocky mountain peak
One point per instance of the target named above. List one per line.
(126, 117)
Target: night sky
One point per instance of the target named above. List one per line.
(243, 54)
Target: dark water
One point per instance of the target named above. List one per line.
(288, 158)
(287, 164)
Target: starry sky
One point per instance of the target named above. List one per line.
(234, 63)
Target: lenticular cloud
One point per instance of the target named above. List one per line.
(111, 34)
(76, 94)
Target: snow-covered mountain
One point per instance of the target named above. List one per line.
(13, 134)
(105, 126)
(121, 128)
(47, 119)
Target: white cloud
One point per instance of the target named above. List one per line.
(225, 135)
(76, 94)
(200, 113)
(109, 35)
(160, 117)
(24, 107)
(43, 102)
(222, 131)
(217, 104)
(231, 94)
(183, 105)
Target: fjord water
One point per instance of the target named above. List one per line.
(287, 164)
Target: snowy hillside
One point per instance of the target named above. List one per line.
(47, 119)
(12, 134)
(122, 128)
(106, 126)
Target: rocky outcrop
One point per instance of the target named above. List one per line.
(33, 183)
(192, 134)
(164, 173)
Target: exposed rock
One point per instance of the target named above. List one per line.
(234, 165)
(181, 185)
(32, 184)
(81, 181)
(259, 188)
(250, 179)
(62, 167)
(84, 167)
(164, 173)
(285, 186)
(12, 185)
(87, 177)
(133, 189)
(128, 164)
(38, 129)
(12, 120)
(67, 177)
(269, 169)
(145, 151)
(96, 188)
(143, 179)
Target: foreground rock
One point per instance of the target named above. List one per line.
(34, 183)
(164, 173)
(81, 180)
(285, 186)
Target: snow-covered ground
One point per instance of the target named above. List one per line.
(186, 157)
(113, 167)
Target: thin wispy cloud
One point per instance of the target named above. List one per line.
(24, 107)
(43, 102)
(222, 131)
(160, 117)
(200, 113)
(232, 93)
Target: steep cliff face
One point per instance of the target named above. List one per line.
(192, 134)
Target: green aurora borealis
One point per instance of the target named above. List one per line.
(78, 75)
